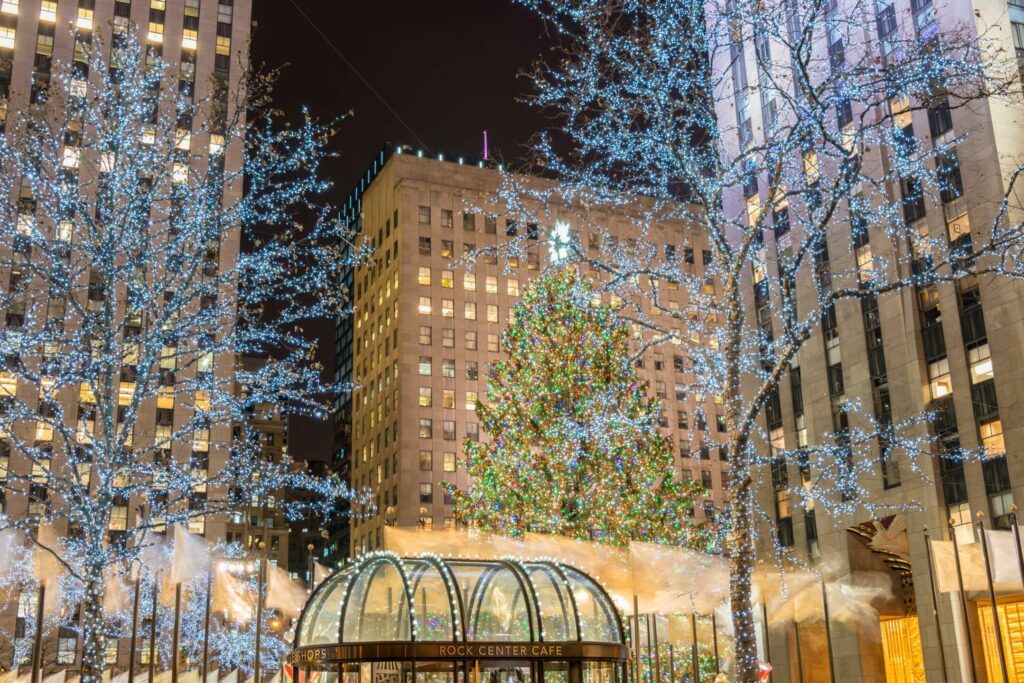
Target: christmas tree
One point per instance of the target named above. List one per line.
(575, 446)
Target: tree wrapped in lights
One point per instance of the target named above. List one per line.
(852, 148)
(575, 444)
(123, 198)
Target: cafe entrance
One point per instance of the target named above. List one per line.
(386, 619)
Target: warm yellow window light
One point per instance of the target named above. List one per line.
(190, 39)
(84, 20)
(48, 11)
(7, 36)
(9, 7)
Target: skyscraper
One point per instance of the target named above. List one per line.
(426, 328)
(953, 349)
(205, 45)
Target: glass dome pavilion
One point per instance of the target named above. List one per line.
(390, 619)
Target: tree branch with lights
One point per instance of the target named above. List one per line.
(652, 101)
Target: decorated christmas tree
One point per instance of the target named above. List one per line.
(575, 446)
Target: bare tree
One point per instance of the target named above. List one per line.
(124, 201)
(653, 100)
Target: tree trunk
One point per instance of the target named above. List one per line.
(741, 567)
(741, 544)
(94, 637)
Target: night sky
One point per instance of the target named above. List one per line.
(448, 68)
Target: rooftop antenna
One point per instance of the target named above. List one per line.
(487, 148)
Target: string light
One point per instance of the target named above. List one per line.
(125, 297)
(833, 158)
(575, 445)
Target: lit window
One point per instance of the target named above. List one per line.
(513, 287)
(469, 282)
(491, 284)
(447, 308)
(471, 340)
(981, 364)
(7, 35)
(447, 279)
(179, 173)
(424, 276)
(425, 335)
(470, 310)
(812, 171)
(426, 461)
(184, 140)
(72, 157)
(449, 461)
(492, 313)
(48, 11)
(156, 31)
(992, 438)
(865, 264)
(9, 7)
(84, 20)
(471, 399)
(448, 398)
(425, 366)
(938, 376)
(426, 428)
(448, 338)
(425, 308)
(223, 45)
(216, 144)
(426, 397)
(190, 39)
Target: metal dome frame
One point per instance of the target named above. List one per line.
(576, 640)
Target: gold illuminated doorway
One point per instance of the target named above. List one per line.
(1011, 624)
(901, 649)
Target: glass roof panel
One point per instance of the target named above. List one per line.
(500, 601)
(597, 617)
(556, 610)
(322, 615)
(436, 617)
(377, 609)
(498, 611)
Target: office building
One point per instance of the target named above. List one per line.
(954, 349)
(426, 329)
(204, 43)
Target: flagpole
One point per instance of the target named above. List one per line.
(657, 649)
(259, 618)
(693, 652)
(312, 567)
(963, 599)
(935, 602)
(714, 641)
(636, 631)
(992, 597)
(176, 634)
(135, 626)
(152, 629)
(1016, 542)
(37, 641)
(767, 639)
(828, 633)
(799, 649)
(206, 624)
